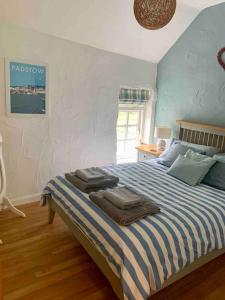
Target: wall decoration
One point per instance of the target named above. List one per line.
(26, 88)
(154, 14)
(221, 57)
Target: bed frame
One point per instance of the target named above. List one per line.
(202, 134)
(197, 133)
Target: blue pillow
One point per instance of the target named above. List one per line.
(168, 158)
(216, 176)
(189, 170)
(199, 157)
(208, 150)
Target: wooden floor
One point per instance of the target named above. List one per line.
(42, 261)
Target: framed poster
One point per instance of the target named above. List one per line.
(26, 88)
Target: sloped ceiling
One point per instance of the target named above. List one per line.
(104, 24)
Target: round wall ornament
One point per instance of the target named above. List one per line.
(221, 57)
(154, 14)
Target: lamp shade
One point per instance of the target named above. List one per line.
(154, 14)
(163, 132)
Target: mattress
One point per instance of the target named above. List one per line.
(146, 253)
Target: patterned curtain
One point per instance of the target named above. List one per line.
(134, 96)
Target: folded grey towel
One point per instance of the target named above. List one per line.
(90, 174)
(94, 185)
(121, 216)
(123, 197)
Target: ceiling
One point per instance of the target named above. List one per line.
(104, 24)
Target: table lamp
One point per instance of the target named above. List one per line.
(162, 133)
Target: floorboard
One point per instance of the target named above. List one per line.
(43, 262)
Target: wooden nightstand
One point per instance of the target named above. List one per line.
(148, 152)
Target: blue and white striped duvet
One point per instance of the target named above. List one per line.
(191, 224)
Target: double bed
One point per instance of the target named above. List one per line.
(148, 255)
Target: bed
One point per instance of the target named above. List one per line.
(142, 258)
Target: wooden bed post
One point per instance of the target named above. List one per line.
(51, 215)
(51, 212)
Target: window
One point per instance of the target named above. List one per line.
(131, 122)
(129, 127)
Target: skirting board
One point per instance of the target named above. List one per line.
(25, 199)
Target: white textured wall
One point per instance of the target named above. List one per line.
(83, 90)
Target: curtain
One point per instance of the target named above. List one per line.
(134, 96)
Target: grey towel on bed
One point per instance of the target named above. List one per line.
(123, 197)
(90, 174)
(93, 185)
(127, 216)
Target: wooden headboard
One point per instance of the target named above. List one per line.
(202, 134)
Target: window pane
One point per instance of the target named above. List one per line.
(122, 118)
(120, 148)
(132, 132)
(130, 147)
(121, 132)
(133, 118)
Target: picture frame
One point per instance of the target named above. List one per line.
(26, 88)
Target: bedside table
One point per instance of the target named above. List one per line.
(148, 152)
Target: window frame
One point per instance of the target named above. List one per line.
(127, 109)
(146, 121)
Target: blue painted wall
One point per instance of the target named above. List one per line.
(191, 84)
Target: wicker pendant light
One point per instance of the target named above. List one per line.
(154, 14)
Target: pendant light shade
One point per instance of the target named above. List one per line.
(154, 14)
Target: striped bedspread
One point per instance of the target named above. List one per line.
(143, 255)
